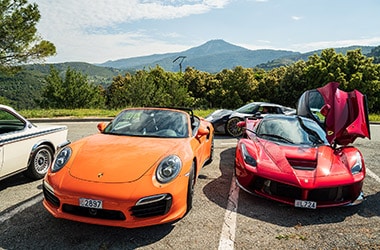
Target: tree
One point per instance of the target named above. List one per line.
(4, 100)
(375, 53)
(74, 91)
(352, 71)
(198, 88)
(19, 41)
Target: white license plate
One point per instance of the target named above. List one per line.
(305, 204)
(83, 202)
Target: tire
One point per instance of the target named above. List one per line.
(190, 188)
(39, 162)
(232, 128)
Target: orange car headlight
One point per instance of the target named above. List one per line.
(61, 159)
(168, 169)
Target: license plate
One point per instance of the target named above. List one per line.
(83, 202)
(305, 204)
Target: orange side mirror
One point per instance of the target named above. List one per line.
(202, 131)
(101, 126)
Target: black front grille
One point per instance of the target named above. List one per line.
(274, 188)
(93, 213)
(342, 193)
(324, 195)
(50, 197)
(160, 207)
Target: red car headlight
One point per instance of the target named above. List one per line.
(358, 166)
(249, 159)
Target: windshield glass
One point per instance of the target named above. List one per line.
(249, 108)
(291, 130)
(150, 123)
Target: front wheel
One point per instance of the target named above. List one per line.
(232, 128)
(40, 162)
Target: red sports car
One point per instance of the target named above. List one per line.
(305, 160)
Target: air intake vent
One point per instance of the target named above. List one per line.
(302, 164)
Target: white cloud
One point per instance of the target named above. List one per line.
(306, 47)
(86, 30)
(103, 13)
(296, 18)
(95, 31)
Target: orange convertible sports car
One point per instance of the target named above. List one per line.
(140, 170)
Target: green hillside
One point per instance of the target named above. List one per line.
(23, 89)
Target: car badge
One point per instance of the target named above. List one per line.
(100, 175)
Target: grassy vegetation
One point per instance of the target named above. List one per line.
(374, 118)
(82, 113)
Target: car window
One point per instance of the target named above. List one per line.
(292, 130)
(9, 122)
(195, 125)
(269, 110)
(150, 123)
(316, 102)
(248, 108)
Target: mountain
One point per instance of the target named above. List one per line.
(212, 56)
(216, 55)
(287, 60)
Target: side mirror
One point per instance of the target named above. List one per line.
(101, 126)
(325, 109)
(202, 131)
(241, 124)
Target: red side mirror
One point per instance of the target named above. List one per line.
(325, 109)
(241, 124)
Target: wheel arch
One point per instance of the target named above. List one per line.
(41, 143)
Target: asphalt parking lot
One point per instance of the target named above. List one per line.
(223, 217)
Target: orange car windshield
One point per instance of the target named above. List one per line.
(150, 123)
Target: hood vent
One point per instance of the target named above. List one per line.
(302, 164)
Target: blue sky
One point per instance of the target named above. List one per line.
(96, 31)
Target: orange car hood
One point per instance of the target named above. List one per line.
(118, 159)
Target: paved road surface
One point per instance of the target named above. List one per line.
(222, 217)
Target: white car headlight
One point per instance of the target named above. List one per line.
(61, 159)
(247, 157)
(358, 166)
(168, 169)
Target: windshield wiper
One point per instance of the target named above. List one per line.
(278, 137)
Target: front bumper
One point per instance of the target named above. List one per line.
(137, 210)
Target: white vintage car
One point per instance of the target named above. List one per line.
(25, 147)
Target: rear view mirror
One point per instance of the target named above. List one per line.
(202, 131)
(241, 124)
(325, 110)
(101, 126)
